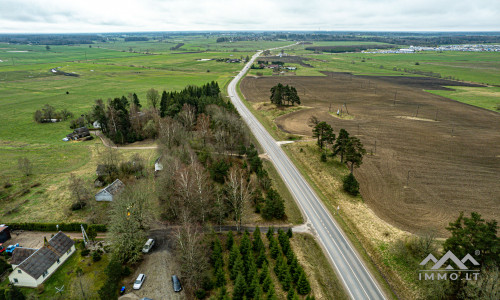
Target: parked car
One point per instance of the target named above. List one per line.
(148, 246)
(176, 283)
(139, 281)
(146, 298)
(11, 248)
(2, 248)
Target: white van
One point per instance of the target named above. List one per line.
(148, 246)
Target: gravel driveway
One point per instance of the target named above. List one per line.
(159, 266)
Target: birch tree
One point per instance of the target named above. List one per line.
(239, 192)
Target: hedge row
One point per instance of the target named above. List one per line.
(52, 226)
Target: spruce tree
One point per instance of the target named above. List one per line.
(136, 100)
(257, 241)
(245, 244)
(270, 233)
(274, 248)
(267, 283)
(239, 287)
(286, 282)
(230, 241)
(250, 267)
(237, 267)
(257, 295)
(289, 233)
(303, 286)
(291, 294)
(233, 255)
(289, 256)
(271, 295)
(295, 269)
(163, 104)
(254, 283)
(217, 260)
(264, 273)
(278, 270)
(261, 258)
(220, 277)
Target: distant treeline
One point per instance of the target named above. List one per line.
(350, 48)
(177, 46)
(136, 39)
(50, 39)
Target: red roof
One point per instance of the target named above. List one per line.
(3, 227)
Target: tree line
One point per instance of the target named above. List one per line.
(348, 148)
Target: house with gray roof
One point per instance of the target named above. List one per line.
(109, 192)
(33, 266)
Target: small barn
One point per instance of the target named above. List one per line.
(109, 192)
(4, 233)
(33, 266)
(79, 133)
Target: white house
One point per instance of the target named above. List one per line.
(32, 267)
(107, 193)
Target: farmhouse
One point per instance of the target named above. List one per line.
(107, 193)
(79, 133)
(32, 267)
(4, 233)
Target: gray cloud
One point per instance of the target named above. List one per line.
(165, 15)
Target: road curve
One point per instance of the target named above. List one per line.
(356, 278)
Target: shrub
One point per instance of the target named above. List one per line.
(85, 252)
(323, 157)
(350, 184)
(200, 294)
(96, 256)
(70, 227)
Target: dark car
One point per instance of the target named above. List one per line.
(176, 283)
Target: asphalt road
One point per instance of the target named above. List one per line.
(356, 278)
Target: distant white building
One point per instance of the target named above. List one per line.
(33, 266)
(109, 192)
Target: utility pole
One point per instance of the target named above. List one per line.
(408, 178)
(395, 94)
(418, 107)
(435, 119)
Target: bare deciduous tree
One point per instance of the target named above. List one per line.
(239, 192)
(153, 98)
(203, 126)
(171, 133)
(187, 116)
(24, 165)
(80, 192)
(130, 216)
(203, 191)
(192, 253)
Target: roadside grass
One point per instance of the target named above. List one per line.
(363, 228)
(317, 266)
(488, 98)
(293, 213)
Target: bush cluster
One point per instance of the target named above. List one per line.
(75, 227)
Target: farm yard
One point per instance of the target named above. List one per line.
(429, 156)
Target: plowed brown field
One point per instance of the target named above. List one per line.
(428, 158)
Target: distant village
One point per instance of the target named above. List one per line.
(464, 48)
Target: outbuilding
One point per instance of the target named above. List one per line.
(4, 233)
(109, 192)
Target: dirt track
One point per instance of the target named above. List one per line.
(453, 161)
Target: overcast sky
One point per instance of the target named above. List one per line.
(60, 16)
